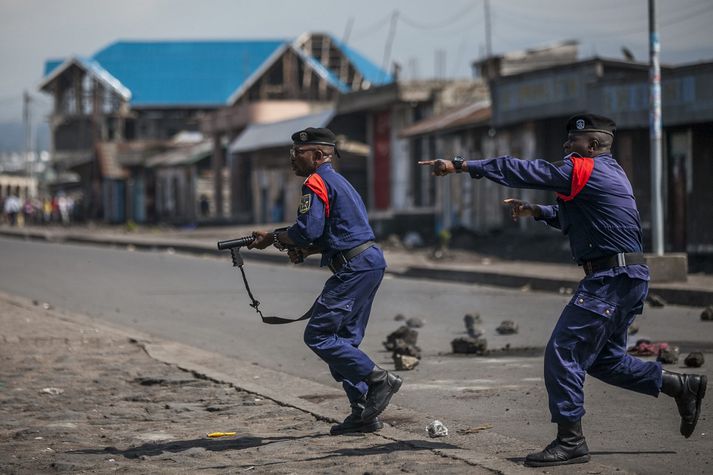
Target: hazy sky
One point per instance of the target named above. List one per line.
(34, 30)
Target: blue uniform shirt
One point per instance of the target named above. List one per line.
(332, 216)
(600, 221)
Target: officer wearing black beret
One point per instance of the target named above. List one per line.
(596, 209)
(332, 220)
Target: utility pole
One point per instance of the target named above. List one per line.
(390, 41)
(655, 134)
(27, 122)
(488, 32)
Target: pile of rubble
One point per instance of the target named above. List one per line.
(474, 343)
(402, 344)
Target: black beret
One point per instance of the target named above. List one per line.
(590, 123)
(312, 135)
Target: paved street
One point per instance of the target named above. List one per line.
(201, 302)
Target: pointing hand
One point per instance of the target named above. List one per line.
(440, 167)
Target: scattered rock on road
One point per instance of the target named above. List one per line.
(668, 355)
(694, 359)
(408, 335)
(507, 327)
(405, 362)
(707, 314)
(414, 322)
(470, 345)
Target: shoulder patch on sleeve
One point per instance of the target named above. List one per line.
(305, 203)
(316, 183)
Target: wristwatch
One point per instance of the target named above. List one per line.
(458, 163)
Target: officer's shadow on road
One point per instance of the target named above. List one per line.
(381, 449)
(152, 448)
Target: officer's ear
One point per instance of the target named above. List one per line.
(594, 144)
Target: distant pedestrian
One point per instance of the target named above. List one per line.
(596, 209)
(332, 220)
(12, 208)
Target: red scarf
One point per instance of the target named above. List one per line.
(581, 172)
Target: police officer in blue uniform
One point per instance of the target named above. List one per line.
(597, 211)
(332, 220)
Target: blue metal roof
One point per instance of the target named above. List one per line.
(371, 72)
(184, 72)
(51, 65)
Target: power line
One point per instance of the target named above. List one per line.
(373, 27)
(439, 24)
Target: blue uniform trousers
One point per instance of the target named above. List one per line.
(591, 337)
(337, 327)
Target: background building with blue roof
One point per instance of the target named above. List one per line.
(126, 102)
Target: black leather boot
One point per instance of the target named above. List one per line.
(688, 390)
(382, 385)
(355, 423)
(569, 447)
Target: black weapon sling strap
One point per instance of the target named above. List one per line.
(270, 320)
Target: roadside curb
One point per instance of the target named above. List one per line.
(675, 295)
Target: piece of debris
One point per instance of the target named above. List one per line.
(52, 391)
(408, 335)
(215, 435)
(475, 430)
(645, 347)
(403, 348)
(694, 359)
(507, 327)
(633, 329)
(437, 429)
(474, 332)
(655, 300)
(414, 322)
(707, 314)
(399, 317)
(405, 362)
(470, 345)
(668, 355)
(471, 320)
(46, 306)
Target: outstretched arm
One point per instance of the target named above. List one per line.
(522, 209)
(513, 172)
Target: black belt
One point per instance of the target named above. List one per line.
(342, 257)
(617, 260)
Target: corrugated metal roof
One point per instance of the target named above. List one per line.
(371, 72)
(184, 72)
(476, 113)
(91, 67)
(185, 155)
(277, 134)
